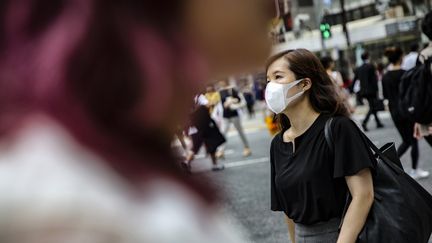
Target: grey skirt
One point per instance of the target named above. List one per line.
(325, 232)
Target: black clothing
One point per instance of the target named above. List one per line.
(425, 56)
(405, 127)
(429, 140)
(414, 151)
(249, 98)
(390, 82)
(250, 102)
(224, 94)
(309, 184)
(367, 76)
(208, 132)
(372, 111)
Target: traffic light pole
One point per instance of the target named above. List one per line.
(323, 46)
(347, 36)
(344, 26)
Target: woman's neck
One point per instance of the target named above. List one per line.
(396, 66)
(301, 117)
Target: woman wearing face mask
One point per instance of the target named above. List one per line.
(308, 182)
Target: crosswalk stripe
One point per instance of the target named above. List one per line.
(246, 162)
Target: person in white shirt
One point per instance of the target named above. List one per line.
(410, 60)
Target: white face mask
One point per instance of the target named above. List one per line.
(276, 95)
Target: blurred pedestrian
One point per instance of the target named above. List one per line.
(391, 82)
(232, 101)
(367, 76)
(181, 138)
(354, 88)
(308, 182)
(425, 130)
(90, 96)
(336, 77)
(410, 60)
(329, 65)
(250, 101)
(212, 96)
(203, 130)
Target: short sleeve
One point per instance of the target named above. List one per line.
(275, 204)
(352, 153)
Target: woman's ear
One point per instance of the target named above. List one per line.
(306, 84)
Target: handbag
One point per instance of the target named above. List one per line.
(402, 208)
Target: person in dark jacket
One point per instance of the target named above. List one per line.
(366, 73)
(425, 130)
(405, 127)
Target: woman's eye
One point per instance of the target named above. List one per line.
(278, 77)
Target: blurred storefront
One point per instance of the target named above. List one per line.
(370, 25)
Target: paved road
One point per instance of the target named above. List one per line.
(246, 184)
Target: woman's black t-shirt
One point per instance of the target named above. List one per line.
(309, 185)
(390, 82)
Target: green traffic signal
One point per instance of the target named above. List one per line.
(322, 27)
(325, 30)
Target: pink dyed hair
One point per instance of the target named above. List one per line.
(89, 64)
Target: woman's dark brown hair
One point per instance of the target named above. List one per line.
(323, 94)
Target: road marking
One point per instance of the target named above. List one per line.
(233, 133)
(382, 115)
(202, 155)
(246, 162)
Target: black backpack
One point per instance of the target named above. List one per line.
(402, 208)
(415, 89)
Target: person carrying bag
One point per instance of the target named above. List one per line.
(305, 183)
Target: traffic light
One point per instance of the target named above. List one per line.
(325, 30)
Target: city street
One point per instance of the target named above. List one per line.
(246, 181)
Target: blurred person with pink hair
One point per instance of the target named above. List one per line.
(90, 93)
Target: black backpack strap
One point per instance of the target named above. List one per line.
(418, 62)
(384, 159)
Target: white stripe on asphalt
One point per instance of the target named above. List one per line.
(382, 115)
(246, 162)
(203, 155)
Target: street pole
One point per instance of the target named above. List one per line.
(347, 37)
(323, 47)
(344, 27)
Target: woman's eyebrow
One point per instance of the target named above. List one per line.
(276, 72)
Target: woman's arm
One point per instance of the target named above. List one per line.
(360, 186)
(291, 228)
(422, 130)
